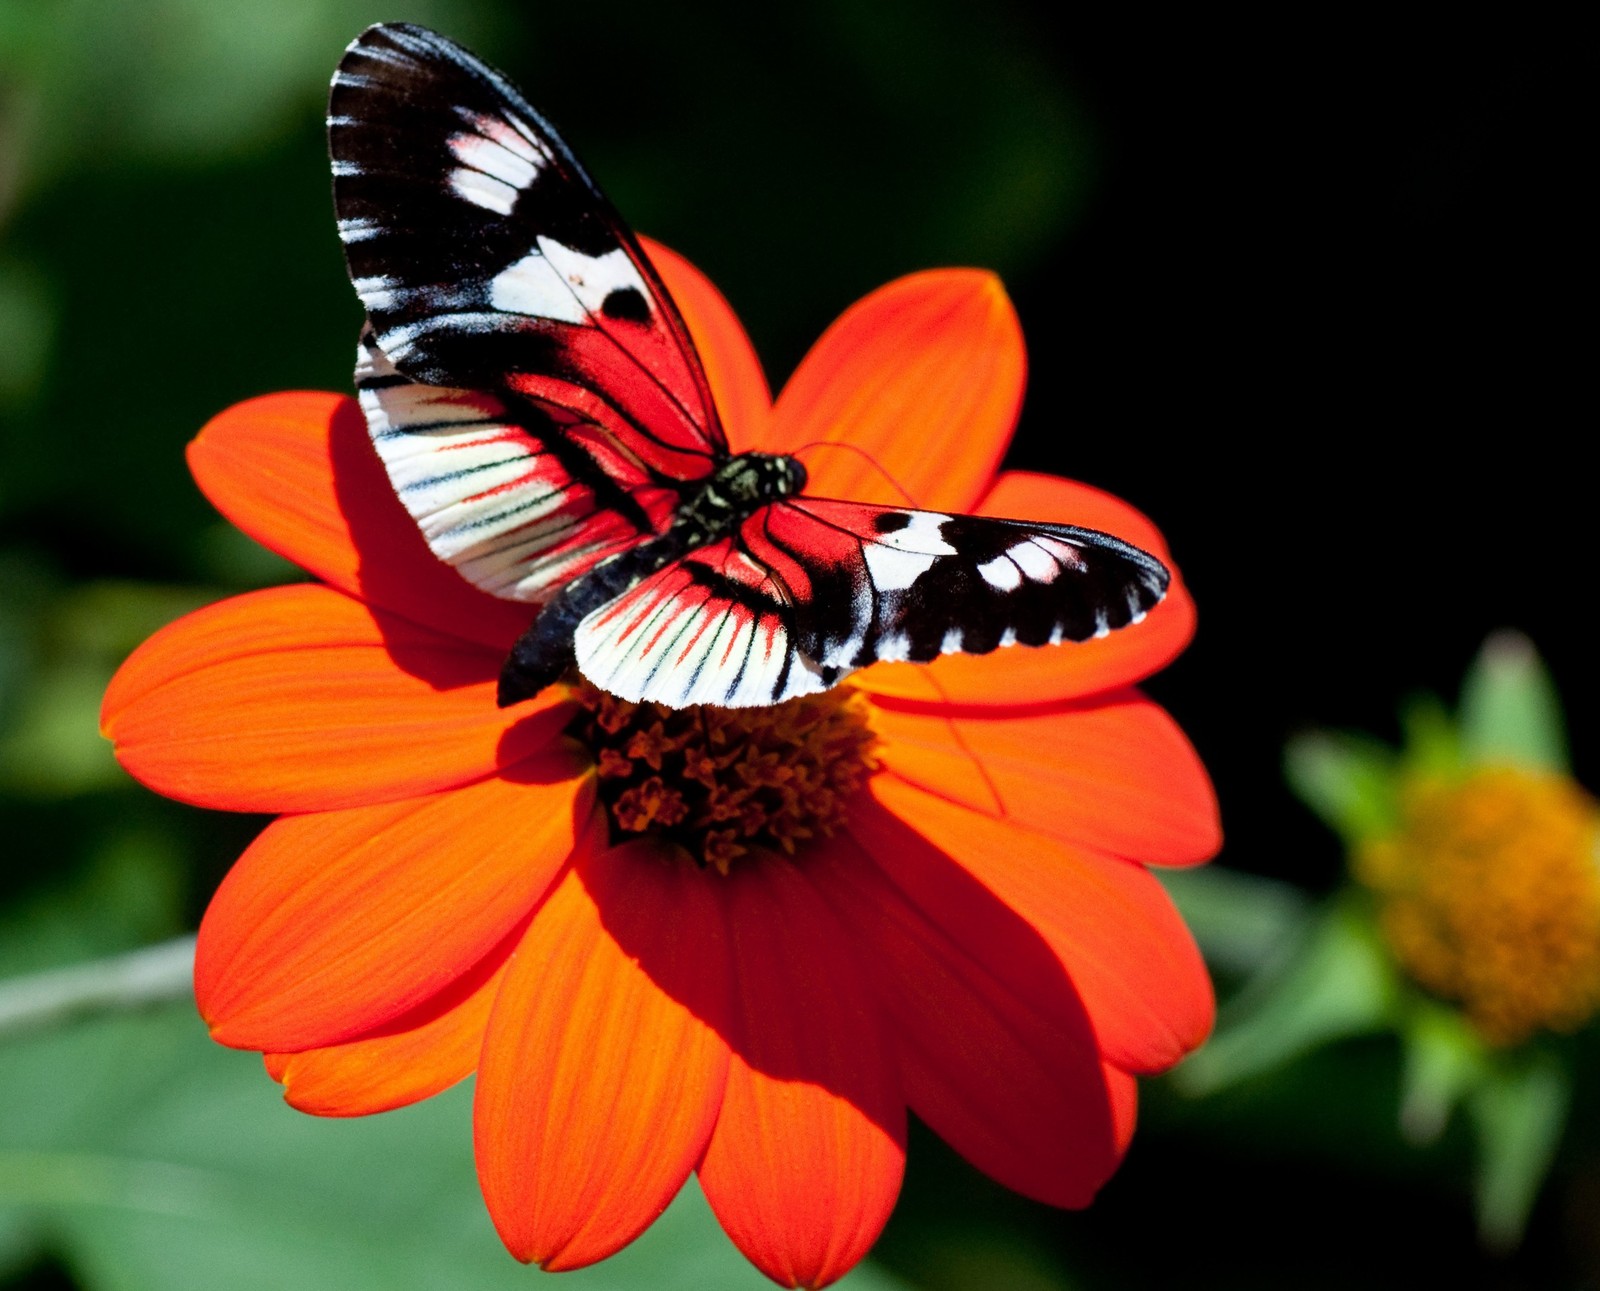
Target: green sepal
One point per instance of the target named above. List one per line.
(1348, 780)
(1444, 1061)
(1510, 712)
(1432, 743)
(1243, 924)
(1519, 1111)
(1340, 984)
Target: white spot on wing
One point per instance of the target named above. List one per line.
(483, 190)
(894, 648)
(593, 278)
(1001, 573)
(515, 166)
(376, 292)
(532, 286)
(359, 230)
(897, 559)
(378, 54)
(1034, 561)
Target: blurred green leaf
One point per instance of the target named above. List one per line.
(1242, 923)
(26, 587)
(150, 1159)
(18, 1241)
(27, 330)
(1444, 1060)
(50, 745)
(959, 1258)
(1340, 984)
(1519, 1112)
(106, 620)
(1348, 780)
(129, 894)
(233, 559)
(1510, 712)
(55, 746)
(180, 79)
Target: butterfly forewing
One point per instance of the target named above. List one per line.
(488, 260)
(810, 590)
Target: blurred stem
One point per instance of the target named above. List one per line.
(96, 1179)
(153, 975)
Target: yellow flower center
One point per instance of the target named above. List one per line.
(721, 781)
(1489, 895)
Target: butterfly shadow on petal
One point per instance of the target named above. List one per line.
(969, 1000)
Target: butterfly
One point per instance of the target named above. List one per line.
(538, 404)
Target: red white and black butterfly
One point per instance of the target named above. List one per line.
(542, 414)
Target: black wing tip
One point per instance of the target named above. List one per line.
(414, 43)
(1151, 572)
(390, 29)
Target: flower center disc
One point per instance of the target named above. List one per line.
(1489, 894)
(720, 781)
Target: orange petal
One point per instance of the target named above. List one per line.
(602, 1071)
(297, 473)
(1113, 773)
(806, 1160)
(1024, 675)
(1109, 922)
(737, 382)
(1123, 1091)
(336, 923)
(418, 1055)
(922, 380)
(997, 1054)
(301, 699)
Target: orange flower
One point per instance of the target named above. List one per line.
(965, 925)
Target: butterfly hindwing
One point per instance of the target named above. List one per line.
(518, 512)
(713, 627)
(810, 590)
(488, 260)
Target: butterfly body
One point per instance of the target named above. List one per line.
(542, 413)
(741, 485)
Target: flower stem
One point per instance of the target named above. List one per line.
(153, 975)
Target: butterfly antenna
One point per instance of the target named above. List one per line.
(868, 458)
(978, 767)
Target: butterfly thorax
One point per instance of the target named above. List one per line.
(741, 485)
(712, 508)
